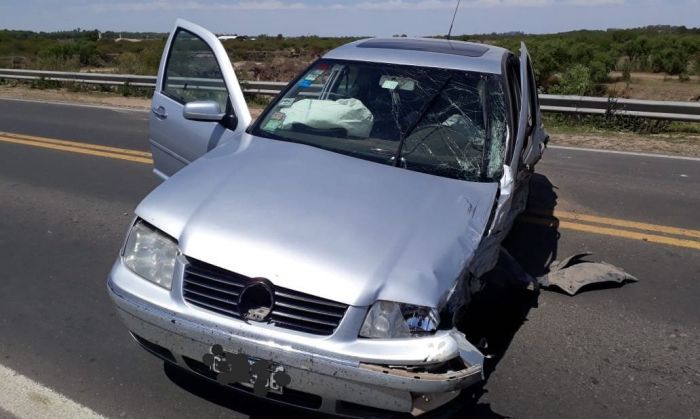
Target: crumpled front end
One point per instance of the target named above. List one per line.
(340, 374)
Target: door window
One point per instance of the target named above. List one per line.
(534, 100)
(514, 87)
(193, 73)
(532, 110)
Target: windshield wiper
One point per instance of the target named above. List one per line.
(426, 107)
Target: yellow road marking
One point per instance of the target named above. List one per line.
(145, 157)
(75, 144)
(80, 150)
(587, 228)
(622, 223)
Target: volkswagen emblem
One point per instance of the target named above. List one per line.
(256, 300)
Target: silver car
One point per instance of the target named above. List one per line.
(320, 255)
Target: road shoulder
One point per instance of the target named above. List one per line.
(687, 145)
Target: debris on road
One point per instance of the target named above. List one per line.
(569, 275)
(572, 274)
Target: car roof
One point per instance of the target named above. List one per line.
(424, 52)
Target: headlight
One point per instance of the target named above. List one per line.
(387, 319)
(151, 254)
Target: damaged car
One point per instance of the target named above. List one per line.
(319, 255)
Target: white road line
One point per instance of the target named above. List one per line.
(626, 153)
(77, 104)
(25, 398)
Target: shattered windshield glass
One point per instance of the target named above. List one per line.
(444, 122)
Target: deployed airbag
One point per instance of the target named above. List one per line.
(349, 114)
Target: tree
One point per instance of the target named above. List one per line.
(673, 61)
(626, 71)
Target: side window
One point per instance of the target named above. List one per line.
(192, 72)
(346, 85)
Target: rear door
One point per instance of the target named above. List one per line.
(195, 70)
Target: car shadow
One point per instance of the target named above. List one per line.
(493, 318)
(531, 243)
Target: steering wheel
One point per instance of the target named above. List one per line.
(448, 138)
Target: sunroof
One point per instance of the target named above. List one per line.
(455, 48)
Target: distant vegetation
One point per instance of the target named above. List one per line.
(579, 62)
(566, 63)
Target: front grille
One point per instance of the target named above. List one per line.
(215, 289)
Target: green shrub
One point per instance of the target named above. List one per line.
(575, 81)
(129, 63)
(670, 60)
(70, 55)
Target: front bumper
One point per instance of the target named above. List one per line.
(341, 371)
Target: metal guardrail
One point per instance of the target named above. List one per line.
(584, 105)
(655, 109)
(88, 78)
(257, 87)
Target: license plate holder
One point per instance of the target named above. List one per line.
(270, 384)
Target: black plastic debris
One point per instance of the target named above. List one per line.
(509, 271)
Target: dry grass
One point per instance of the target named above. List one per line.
(673, 144)
(654, 86)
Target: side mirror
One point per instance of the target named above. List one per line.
(205, 110)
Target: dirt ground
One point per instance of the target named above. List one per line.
(677, 144)
(655, 87)
(674, 144)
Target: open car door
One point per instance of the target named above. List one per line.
(524, 127)
(198, 102)
(532, 136)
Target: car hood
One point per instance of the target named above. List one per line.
(323, 223)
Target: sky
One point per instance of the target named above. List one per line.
(352, 18)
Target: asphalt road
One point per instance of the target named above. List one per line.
(628, 351)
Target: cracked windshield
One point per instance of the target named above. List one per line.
(447, 123)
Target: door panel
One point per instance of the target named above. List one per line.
(524, 121)
(194, 67)
(538, 137)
